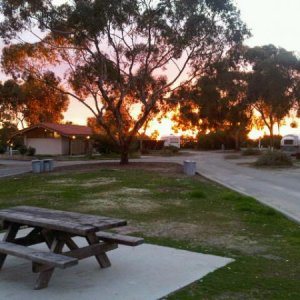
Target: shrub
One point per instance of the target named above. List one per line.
(170, 150)
(2, 149)
(251, 151)
(266, 141)
(22, 149)
(30, 151)
(274, 158)
(215, 140)
(103, 144)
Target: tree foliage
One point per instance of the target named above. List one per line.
(125, 55)
(217, 101)
(32, 101)
(6, 131)
(273, 83)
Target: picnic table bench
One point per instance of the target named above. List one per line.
(57, 229)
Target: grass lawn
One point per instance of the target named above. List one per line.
(170, 209)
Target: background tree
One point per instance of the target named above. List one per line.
(32, 101)
(121, 54)
(6, 131)
(273, 84)
(11, 103)
(217, 101)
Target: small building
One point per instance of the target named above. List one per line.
(57, 139)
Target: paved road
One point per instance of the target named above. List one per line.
(14, 167)
(279, 189)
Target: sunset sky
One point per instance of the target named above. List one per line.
(270, 21)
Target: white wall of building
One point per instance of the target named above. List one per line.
(45, 146)
(65, 146)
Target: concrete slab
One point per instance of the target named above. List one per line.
(146, 272)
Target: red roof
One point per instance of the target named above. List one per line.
(63, 129)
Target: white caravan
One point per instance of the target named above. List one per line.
(290, 143)
(171, 140)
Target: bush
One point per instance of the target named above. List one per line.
(274, 158)
(266, 141)
(170, 150)
(215, 140)
(251, 151)
(104, 145)
(30, 151)
(187, 143)
(2, 149)
(22, 149)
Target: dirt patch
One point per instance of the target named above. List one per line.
(131, 204)
(169, 168)
(204, 234)
(99, 181)
(172, 190)
(87, 183)
(67, 181)
(235, 296)
(131, 199)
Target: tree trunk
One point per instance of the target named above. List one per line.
(271, 138)
(237, 141)
(124, 159)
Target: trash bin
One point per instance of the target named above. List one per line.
(189, 167)
(36, 166)
(47, 165)
(51, 162)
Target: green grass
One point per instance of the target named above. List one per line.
(185, 213)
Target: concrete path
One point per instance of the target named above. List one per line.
(146, 272)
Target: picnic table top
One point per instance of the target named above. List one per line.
(71, 222)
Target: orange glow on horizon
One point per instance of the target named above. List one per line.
(284, 129)
(166, 126)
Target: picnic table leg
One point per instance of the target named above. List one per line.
(102, 258)
(45, 276)
(71, 244)
(9, 237)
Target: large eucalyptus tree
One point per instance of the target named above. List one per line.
(125, 55)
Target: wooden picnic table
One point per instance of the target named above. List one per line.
(58, 229)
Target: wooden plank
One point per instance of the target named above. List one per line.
(35, 221)
(32, 238)
(43, 279)
(102, 258)
(91, 250)
(42, 257)
(45, 276)
(100, 222)
(119, 238)
(81, 253)
(9, 236)
(29, 241)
